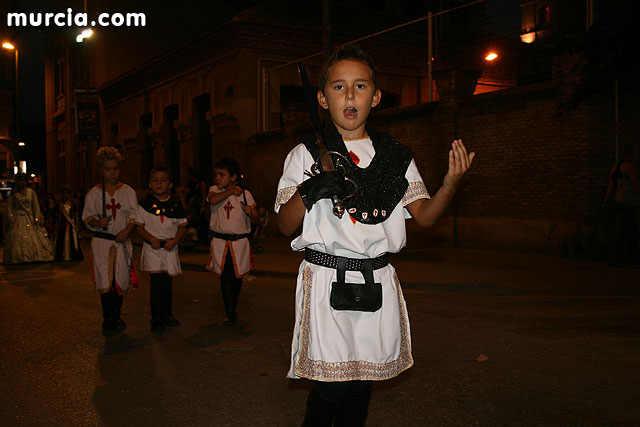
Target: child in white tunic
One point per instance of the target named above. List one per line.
(109, 211)
(232, 210)
(161, 222)
(343, 343)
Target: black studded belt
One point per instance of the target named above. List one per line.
(105, 236)
(345, 296)
(230, 237)
(350, 264)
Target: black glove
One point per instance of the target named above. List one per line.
(325, 185)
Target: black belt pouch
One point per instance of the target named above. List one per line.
(356, 296)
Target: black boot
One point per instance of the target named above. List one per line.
(226, 288)
(108, 324)
(352, 409)
(320, 411)
(156, 302)
(117, 307)
(237, 286)
(168, 318)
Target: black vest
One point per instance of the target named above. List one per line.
(171, 208)
(381, 185)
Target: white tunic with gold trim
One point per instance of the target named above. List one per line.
(227, 217)
(163, 228)
(331, 345)
(110, 259)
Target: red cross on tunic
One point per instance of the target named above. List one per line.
(228, 207)
(114, 207)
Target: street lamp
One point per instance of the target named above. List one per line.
(85, 34)
(16, 119)
(491, 56)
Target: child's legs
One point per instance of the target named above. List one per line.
(237, 286)
(105, 301)
(111, 303)
(346, 403)
(168, 295)
(228, 287)
(116, 301)
(156, 295)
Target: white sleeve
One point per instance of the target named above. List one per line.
(133, 202)
(139, 215)
(250, 200)
(91, 210)
(292, 175)
(416, 189)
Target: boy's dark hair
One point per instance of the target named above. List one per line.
(229, 164)
(351, 52)
(161, 169)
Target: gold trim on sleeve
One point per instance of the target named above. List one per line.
(284, 195)
(416, 190)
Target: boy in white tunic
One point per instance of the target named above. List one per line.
(161, 222)
(232, 210)
(109, 211)
(347, 332)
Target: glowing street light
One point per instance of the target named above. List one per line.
(21, 144)
(85, 34)
(491, 56)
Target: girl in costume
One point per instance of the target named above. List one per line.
(26, 239)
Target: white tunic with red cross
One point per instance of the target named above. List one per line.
(111, 260)
(227, 217)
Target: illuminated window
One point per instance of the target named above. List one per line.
(544, 16)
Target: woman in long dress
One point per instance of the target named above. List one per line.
(26, 239)
(66, 229)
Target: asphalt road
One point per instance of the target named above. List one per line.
(481, 358)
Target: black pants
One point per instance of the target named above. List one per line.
(342, 404)
(111, 304)
(161, 296)
(230, 285)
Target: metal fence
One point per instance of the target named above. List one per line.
(523, 35)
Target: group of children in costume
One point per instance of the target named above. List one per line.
(112, 212)
(347, 333)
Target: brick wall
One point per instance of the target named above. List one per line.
(538, 178)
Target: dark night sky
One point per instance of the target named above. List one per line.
(31, 41)
(30, 44)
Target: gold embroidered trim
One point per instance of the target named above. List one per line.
(415, 191)
(284, 194)
(353, 369)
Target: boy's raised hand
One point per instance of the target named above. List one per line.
(459, 164)
(236, 190)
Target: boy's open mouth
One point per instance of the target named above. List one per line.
(350, 113)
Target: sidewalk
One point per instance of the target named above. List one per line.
(469, 270)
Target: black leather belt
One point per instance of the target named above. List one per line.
(162, 243)
(231, 237)
(350, 264)
(105, 236)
